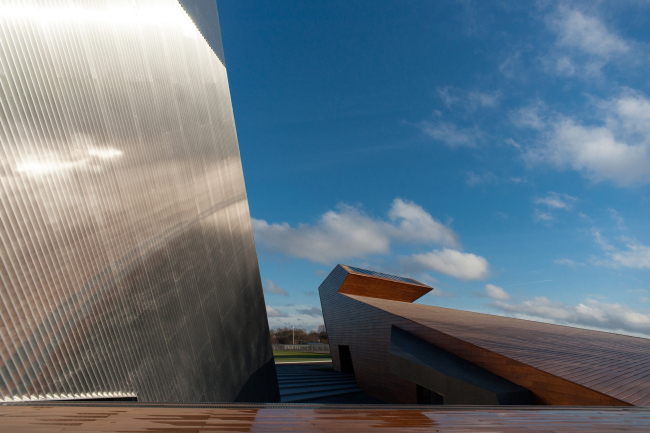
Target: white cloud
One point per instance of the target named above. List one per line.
(568, 262)
(541, 216)
(528, 117)
(617, 218)
(591, 313)
(510, 65)
(596, 152)
(484, 99)
(473, 179)
(301, 316)
(586, 33)
(616, 149)
(469, 100)
(272, 312)
(551, 202)
(636, 255)
(349, 233)
(411, 223)
(556, 201)
(271, 287)
(450, 134)
(563, 65)
(311, 311)
(496, 292)
(465, 266)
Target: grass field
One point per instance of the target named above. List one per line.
(293, 356)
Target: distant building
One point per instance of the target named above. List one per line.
(127, 266)
(409, 353)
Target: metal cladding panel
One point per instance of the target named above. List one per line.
(127, 260)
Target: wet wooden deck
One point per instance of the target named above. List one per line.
(316, 418)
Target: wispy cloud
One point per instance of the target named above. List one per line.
(469, 100)
(554, 200)
(311, 311)
(450, 134)
(590, 313)
(634, 254)
(348, 232)
(301, 316)
(473, 179)
(549, 203)
(617, 218)
(271, 287)
(568, 262)
(528, 117)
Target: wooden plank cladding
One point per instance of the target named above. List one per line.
(382, 287)
(560, 365)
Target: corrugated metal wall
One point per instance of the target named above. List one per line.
(127, 260)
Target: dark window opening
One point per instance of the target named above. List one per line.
(346, 359)
(426, 396)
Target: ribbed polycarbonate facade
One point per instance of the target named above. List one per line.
(127, 260)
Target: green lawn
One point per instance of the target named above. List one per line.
(294, 356)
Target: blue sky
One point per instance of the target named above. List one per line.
(498, 151)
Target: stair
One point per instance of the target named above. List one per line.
(300, 383)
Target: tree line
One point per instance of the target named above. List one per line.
(286, 336)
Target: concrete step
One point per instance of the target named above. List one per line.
(294, 398)
(321, 388)
(314, 376)
(331, 381)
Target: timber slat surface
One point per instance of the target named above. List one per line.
(561, 365)
(318, 418)
(615, 365)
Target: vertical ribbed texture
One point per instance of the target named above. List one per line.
(127, 260)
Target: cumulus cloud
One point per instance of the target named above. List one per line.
(271, 287)
(617, 148)
(347, 232)
(411, 223)
(449, 134)
(496, 292)
(586, 33)
(465, 266)
(591, 313)
(272, 312)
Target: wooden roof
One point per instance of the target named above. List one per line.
(613, 364)
(383, 286)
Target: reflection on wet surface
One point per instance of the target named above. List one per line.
(320, 419)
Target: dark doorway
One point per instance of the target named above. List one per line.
(346, 359)
(426, 396)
